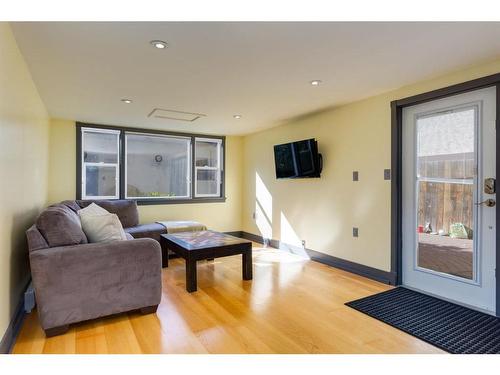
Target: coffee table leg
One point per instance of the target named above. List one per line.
(191, 283)
(247, 265)
(164, 258)
(164, 253)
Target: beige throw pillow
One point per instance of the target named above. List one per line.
(101, 226)
(93, 209)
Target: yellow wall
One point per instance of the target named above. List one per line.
(23, 169)
(353, 137)
(224, 216)
(62, 161)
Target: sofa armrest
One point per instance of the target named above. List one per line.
(75, 283)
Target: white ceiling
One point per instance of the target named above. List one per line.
(259, 70)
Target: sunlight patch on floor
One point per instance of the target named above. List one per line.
(263, 256)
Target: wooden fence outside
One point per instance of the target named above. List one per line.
(448, 197)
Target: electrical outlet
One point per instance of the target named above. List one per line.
(304, 244)
(355, 232)
(355, 176)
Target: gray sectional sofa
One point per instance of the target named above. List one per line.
(76, 281)
(127, 212)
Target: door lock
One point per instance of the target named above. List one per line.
(489, 186)
(488, 203)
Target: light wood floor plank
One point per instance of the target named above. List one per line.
(31, 339)
(291, 306)
(90, 338)
(120, 336)
(63, 344)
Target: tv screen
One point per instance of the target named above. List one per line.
(297, 159)
(284, 160)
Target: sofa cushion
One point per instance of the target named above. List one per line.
(102, 227)
(92, 210)
(126, 210)
(153, 231)
(60, 226)
(72, 205)
(35, 239)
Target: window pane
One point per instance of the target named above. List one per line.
(206, 182)
(445, 187)
(445, 222)
(157, 166)
(206, 154)
(446, 145)
(100, 147)
(100, 181)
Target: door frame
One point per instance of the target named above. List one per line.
(397, 170)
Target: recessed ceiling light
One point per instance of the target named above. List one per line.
(158, 44)
(237, 117)
(316, 82)
(127, 101)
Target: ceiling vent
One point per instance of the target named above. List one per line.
(170, 114)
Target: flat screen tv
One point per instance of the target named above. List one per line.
(298, 159)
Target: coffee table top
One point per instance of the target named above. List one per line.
(203, 239)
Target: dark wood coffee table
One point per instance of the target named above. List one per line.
(194, 246)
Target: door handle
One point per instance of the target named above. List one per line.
(488, 203)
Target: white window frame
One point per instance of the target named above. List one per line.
(218, 168)
(90, 164)
(188, 172)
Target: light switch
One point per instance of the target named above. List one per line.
(387, 174)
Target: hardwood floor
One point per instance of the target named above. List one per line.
(291, 306)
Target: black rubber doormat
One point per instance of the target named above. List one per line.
(448, 326)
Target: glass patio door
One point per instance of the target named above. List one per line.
(449, 198)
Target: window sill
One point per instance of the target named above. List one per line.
(150, 202)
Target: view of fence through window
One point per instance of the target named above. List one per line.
(446, 167)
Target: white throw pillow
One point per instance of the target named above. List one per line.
(101, 226)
